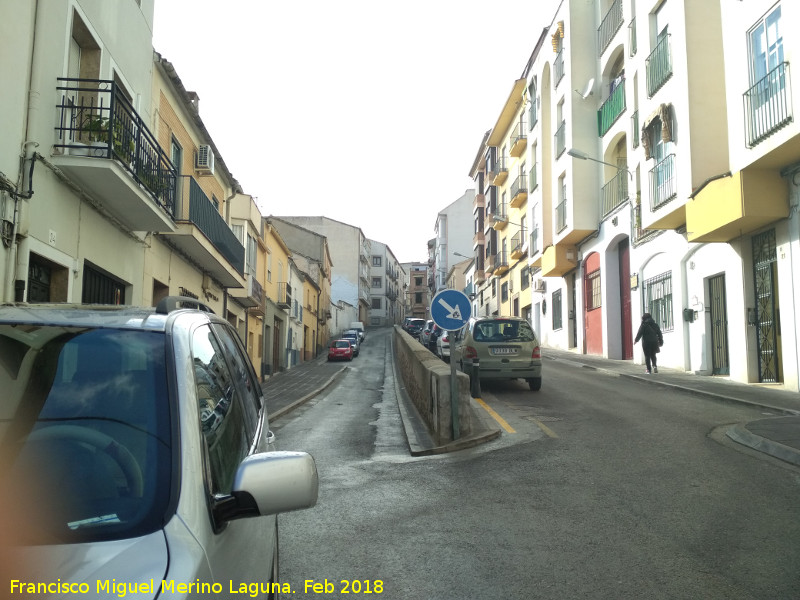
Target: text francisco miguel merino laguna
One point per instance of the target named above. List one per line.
(122, 588)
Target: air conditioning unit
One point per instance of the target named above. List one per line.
(204, 159)
(540, 286)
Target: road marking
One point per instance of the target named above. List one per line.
(549, 432)
(495, 416)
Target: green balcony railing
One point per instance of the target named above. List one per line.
(658, 66)
(611, 109)
(609, 26)
(206, 217)
(614, 193)
(767, 105)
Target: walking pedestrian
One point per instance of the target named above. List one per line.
(652, 340)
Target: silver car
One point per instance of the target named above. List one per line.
(498, 348)
(138, 447)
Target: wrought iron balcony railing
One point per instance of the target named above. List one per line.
(611, 109)
(501, 260)
(533, 114)
(534, 246)
(609, 26)
(533, 179)
(658, 66)
(767, 105)
(96, 120)
(614, 193)
(662, 182)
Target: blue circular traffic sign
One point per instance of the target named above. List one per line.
(450, 309)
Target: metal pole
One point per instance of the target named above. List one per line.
(453, 391)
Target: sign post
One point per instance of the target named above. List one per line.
(450, 310)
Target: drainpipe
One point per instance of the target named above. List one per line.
(10, 287)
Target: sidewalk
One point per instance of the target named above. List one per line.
(776, 436)
(288, 389)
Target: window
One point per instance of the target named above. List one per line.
(376, 261)
(524, 278)
(269, 267)
(557, 310)
(494, 287)
(377, 282)
(100, 287)
(504, 292)
(376, 303)
(418, 298)
(220, 411)
(250, 256)
(176, 154)
(766, 45)
(215, 202)
(593, 295)
(657, 299)
(417, 281)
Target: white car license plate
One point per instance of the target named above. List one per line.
(504, 350)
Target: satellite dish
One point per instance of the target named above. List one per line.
(588, 90)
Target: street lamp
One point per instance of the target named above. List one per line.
(583, 156)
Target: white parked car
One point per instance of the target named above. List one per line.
(443, 346)
(141, 444)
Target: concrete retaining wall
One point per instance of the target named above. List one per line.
(427, 382)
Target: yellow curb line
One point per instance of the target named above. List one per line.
(495, 416)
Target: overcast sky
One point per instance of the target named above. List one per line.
(365, 111)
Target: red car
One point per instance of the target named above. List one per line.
(340, 350)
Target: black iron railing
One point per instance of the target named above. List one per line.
(614, 193)
(611, 23)
(95, 119)
(662, 182)
(658, 66)
(767, 105)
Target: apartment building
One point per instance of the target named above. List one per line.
(662, 156)
(418, 295)
(385, 286)
(279, 301)
(311, 253)
(453, 238)
(350, 252)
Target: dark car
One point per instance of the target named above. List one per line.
(415, 326)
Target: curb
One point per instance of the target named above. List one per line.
(741, 435)
(286, 409)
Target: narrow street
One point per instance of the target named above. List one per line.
(607, 488)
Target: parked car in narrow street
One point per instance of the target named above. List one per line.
(443, 346)
(353, 336)
(415, 327)
(137, 444)
(425, 334)
(340, 350)
(499, 348)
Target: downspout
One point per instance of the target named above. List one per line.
(33, 108)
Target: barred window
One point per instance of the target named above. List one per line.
(657, 300)
(504, 292)
(593, 295)
(556, 310)
(524, 278)
(376, 303)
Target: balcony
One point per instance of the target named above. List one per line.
(533, 179)
(107, 149)
(611, 109)
(499, 218)
(500, 171)
(518, 249)
(614, 193)
(658, 66)
(561, 139)
(533, 114)
(559, 260)
(767, 105)
(561, 215)
(204, 236)
(519, 191)
(519, 139)
(479, 238)
(489, 264)
(500, 263)
(558, 67)
(609, 26)
(632, 45)
(662, 182)
(252, 296)
(479, 204)
(480, 276)
(284, 299)
(639, 234)
(635, 128)
(739, 204)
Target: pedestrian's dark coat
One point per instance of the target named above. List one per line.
(650, 334)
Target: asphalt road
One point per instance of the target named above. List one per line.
(599, 487)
